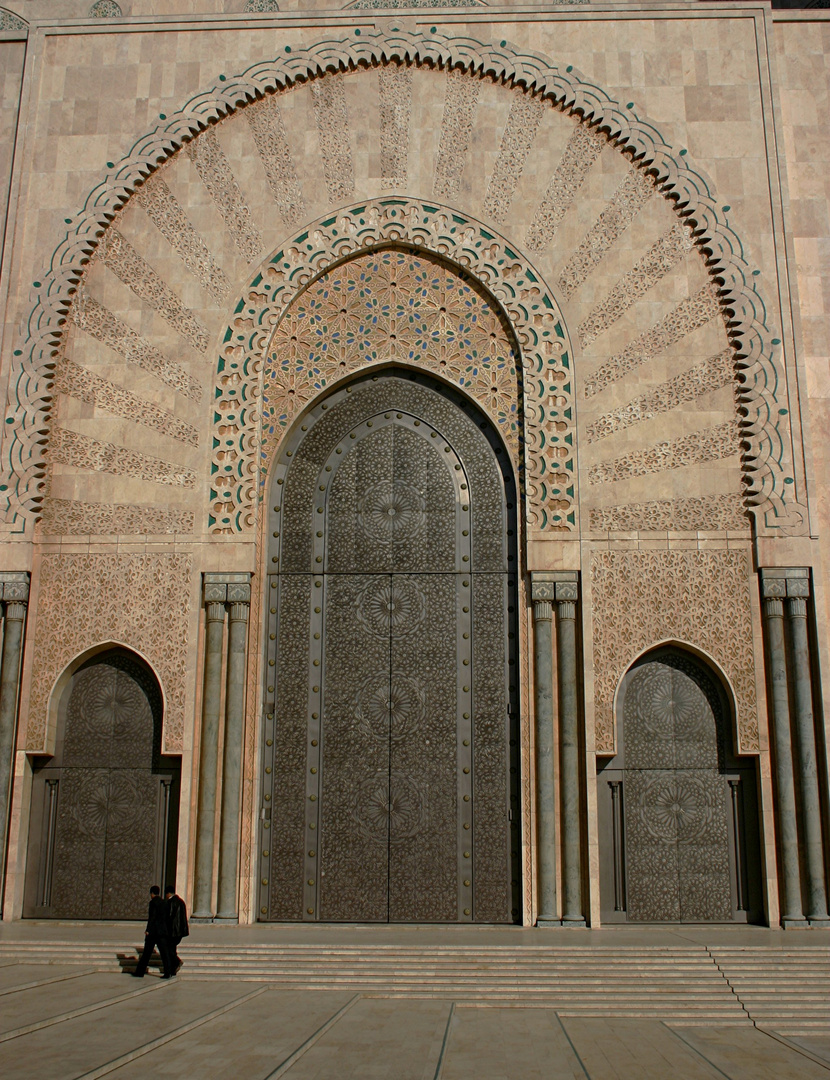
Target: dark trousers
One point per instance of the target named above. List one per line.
(174, 955)
(151, 941)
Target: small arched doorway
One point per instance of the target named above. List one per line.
(105, 807)
(678, 811)
(391, 704)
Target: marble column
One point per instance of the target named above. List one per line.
(774, 591)
(239, 601)
(812, 848)
(14, 589)
(542, 594)
(567, 593)
(215, 595)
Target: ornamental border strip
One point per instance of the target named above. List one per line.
(520, 292)
(770, 491)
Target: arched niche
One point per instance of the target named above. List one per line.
(105, 805)
(678, 810)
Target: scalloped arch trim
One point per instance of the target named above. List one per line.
(549, 443)
(768, 487)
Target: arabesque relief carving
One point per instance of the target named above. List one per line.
(303, 370)
(642, 598)
(771, 484)
(140, 601)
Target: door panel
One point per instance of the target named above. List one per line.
(354, 798)
(491, 682)
(284, 808)
(670, 852)
(424, 771)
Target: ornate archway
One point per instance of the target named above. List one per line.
(770, 478)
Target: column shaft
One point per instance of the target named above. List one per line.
(232, 762)
(805, 737)
(546, 816)
(9, 685)
(791, 907)
(208, 758)
(572, 914)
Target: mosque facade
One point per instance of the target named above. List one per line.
(414, 495)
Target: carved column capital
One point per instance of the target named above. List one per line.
(16, 610)
(773, 607)
(797, 607)
(215, 612)
(238, 611)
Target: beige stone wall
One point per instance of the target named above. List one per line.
(135, 442)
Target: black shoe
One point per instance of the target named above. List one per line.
(136, 975)
(167, 976)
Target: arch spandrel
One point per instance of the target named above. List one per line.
(459, 65)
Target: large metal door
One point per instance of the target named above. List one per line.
(676, 811)
(103, 810)
(400, 686)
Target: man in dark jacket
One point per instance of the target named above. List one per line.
(177, 921)
(156, 934)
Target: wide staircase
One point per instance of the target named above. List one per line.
(785, 990)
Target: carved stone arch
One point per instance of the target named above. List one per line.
(77, 662)
(770, 490)
(518, 293)
(714, 669)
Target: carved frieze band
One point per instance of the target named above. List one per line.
(140, 601)
(78, 382)
(70, 517)
(332, 116)
(516, 143)
(84, 452)
(584, 147)
(712, 374)
(456, 132)
(711, 444)
(95, 319)
(165, 212)
(663, 255)
(698, 598)
(128, 266)
(530, 308)
(689, 315)
(625, 204)
(771, 484)
(704, 514)
(268, 129)
(216, 174)
(395, 105)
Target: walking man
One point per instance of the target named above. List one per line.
(156, 934)
(177, 921)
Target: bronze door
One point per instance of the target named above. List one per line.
(393, 700)
(674, 807)
(104, 811)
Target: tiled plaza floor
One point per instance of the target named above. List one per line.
(64, 1022)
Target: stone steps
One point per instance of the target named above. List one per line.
(785, 990)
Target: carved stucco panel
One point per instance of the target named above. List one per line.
(140, 601)
(546, 356)
(765, 426)
(641, 598)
